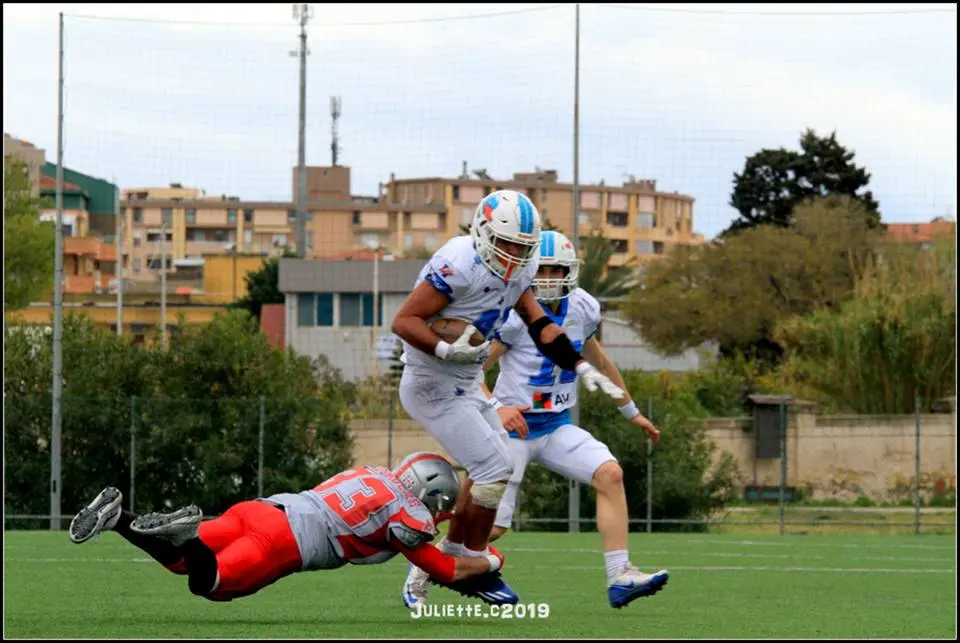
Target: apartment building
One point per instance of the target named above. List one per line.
(406, 217)
(638, 220)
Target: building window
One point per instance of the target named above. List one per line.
(356, 217)
(431, 241)
(232, 215)
(315, 309)
(456, 193)
(644, 247)
(658, 247)
(324, 309)
(138, 215)
(443, 221)
(291, 216)
(407, 241)
(646, 220)
(168, 216)
(136, 266)
(305, 310)
(247, 237)
(248, 215)
(617, 219)
(191, 216)
(618, 245)
(368, 309)
(350, 309)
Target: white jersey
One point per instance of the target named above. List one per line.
(527, 378)
(473, 293)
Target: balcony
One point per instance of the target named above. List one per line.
(90, 246)
(86, 283)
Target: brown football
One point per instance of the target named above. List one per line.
(450, 329)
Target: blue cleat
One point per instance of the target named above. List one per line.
(488, 587)
(633, 584)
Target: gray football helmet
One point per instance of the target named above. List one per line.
(430, 478)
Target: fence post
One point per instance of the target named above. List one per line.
(783, 462)
(916, 501)
(262, 423)
(649, 470)
(133, 450)
(390, 430)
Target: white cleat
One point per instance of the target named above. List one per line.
(415, 587)
(633, 584)
(178, 526)
(103, 513)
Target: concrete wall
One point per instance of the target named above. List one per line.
(847, 456)
(839, 457)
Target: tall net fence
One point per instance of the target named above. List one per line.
(673, 95)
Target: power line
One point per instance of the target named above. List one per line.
(475, 16)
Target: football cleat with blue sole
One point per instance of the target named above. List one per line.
(488, 587)
(633, 584)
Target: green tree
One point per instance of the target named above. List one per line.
(774, 181)
(895, 339)
(29, 244)
(263, 286)
(598, 277)
(195, 413)
(735, 292)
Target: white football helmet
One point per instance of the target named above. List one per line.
(510, 216)
(556, 250)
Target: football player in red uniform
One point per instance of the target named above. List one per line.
(363, 516)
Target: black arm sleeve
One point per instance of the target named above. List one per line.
(560, 351)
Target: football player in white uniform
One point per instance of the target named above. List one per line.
(533, 397)
(482, 278)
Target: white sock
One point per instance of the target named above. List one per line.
(476, 554)
(451, 548)
(616, 562)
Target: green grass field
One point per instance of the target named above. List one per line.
(721, 586)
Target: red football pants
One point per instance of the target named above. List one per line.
(254, 547)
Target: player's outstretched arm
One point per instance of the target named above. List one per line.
(556, 346)
(449, 569)
(594, 353)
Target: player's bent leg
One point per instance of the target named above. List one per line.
(266, 552)
(612, 519)
(575, 454)
(106, 513)
(416, 586)
(498, 532)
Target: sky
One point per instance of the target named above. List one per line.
(207, 95)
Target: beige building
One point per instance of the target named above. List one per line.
(30, 154)
(408, 216)
(636, 219)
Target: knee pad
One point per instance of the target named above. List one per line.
(488, 495)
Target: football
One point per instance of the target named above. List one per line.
(451, 328)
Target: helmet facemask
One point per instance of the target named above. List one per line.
(549, 290)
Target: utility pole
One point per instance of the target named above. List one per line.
(121, 229)
(303, 13)
(56, 419)
(573, 505)
(163, 285)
